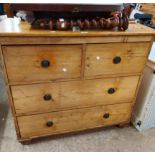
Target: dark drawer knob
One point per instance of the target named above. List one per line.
(45, 63)
(106, 115)
(111, 90)
(47, 97)
(49, 124)
(117, 60)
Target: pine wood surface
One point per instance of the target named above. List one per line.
(79, 96)
(25, 61)
(29, 99)
(64, 63)
(12, 27)
(99, 58)
(73, 120)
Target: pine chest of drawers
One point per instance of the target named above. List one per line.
(61, 82)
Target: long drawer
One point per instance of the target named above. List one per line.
(42, 63)
(73, 120)
(116, 58)
(74, 94)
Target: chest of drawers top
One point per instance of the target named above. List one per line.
(13, 27)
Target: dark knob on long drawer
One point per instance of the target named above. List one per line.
(106, 115)
(49, 124)
(47, 97)
(45, 63)
(117, 60)
(111, 90)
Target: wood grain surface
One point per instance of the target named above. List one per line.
(29, 99)
(23, 63)
(13, 27)
(99, 58)
(78, 79)
(73, 120)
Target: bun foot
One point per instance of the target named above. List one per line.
(26, 142)
(123, 125)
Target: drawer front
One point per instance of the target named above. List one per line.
(119, 58)
(42, 63)
(73, 120)
(75, 94)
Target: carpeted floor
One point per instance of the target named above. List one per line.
(109, 139)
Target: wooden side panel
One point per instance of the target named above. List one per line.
(2, 66)
(23, 63)
(0, 60)
(100, 57)
(73, 120)
(7, 89)
(29, 99)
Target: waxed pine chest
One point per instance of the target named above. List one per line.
(62, 82)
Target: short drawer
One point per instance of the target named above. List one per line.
(73, 120)
(116, 58)
(74, 94)
(42, 63)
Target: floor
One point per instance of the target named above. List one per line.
(109, 139)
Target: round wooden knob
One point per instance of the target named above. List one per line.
(111, 90)
(45, 63)
(117, 60)
(106, 115)
(49, 124)
(47, 97)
